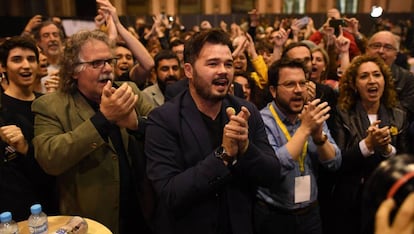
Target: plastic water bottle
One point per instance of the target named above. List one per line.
(37, 220)
(7, 225)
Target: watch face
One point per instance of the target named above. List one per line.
(222, 155)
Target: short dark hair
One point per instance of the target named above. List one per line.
(294, 45)
(14, 42)
(176, 42)
(274, 69)
(214, 36)
(164, 54)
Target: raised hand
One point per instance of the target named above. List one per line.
(33, 23)
(236, 132)
(13, 135)
(117, 105)
(379, 138)
(52, 83)
(342, 43)
(313, 115)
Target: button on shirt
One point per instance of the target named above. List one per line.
(282, 193)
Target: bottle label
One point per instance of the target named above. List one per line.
(41, 229)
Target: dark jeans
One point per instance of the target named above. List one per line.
(269, 220)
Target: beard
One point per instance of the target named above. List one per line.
(285, 107)
(204, 90)
(162, 84)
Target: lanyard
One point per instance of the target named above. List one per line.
(288, 137)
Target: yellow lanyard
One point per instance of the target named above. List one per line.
(288, 137)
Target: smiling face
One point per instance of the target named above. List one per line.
(125, 60)
(21, 67)
(370, 83)
(92, 80)
(212, 73)
(50, 40)
(240, 63)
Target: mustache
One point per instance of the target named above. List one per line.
(53, 43)
(171, 78)
(106, 77)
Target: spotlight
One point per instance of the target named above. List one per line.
(376, 11)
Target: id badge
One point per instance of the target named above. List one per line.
(302, 188)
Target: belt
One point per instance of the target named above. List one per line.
(298, 211)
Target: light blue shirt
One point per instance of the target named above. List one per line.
(281, 194)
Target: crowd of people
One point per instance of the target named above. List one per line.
(252, 128)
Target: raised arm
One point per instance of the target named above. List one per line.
(144, 59)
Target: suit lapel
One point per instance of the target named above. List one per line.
(85, 112)
(157, 95)
(192, 117)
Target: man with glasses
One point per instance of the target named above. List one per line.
(297, 131)
(81, 135)
(386, 45)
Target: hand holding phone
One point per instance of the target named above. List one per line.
(303, 22)
(335, 23)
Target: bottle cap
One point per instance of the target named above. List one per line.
(36, 209)
(5, 217)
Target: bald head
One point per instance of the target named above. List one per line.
(384, 44)
(386, 35)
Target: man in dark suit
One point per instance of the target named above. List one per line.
(203, 158)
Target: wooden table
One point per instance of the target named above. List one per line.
(55, 222)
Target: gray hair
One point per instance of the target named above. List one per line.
(71, 56)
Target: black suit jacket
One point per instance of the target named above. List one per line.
(190, 182)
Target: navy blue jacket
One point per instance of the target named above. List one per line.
(190, 181)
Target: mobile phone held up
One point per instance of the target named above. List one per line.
(302, 22)
(335, 23)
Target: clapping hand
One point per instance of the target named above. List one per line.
(117, 105)
(236, 132)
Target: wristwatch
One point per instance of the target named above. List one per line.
(221, 154)
(321, 142)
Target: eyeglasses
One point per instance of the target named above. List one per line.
(99, 63)
(293, 84)
(377, 46)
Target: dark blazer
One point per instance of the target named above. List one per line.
(351, 127)
(190, 181)
(404, 85)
